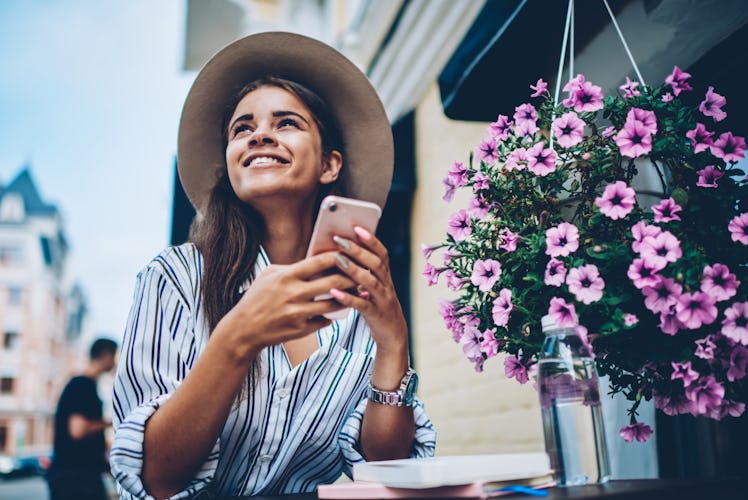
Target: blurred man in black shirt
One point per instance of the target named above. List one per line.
(80, 447)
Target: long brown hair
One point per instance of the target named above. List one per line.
(230, 232)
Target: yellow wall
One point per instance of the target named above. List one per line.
(473, 412)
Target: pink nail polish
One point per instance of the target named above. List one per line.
(362, 233)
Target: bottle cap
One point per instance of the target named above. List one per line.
(547, 323)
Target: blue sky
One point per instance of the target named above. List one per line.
(90, 96)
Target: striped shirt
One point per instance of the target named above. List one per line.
(296, 428)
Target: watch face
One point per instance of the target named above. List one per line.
(410, 390)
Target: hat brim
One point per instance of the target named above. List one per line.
(365, 128)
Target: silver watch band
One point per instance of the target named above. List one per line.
(401, 397)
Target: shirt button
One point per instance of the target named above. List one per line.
(282, 393)
(265, 458)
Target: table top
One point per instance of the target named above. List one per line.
(633, 489)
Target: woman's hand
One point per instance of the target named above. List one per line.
(279, 305)
(368, 264)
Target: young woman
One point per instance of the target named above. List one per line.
(231, 380)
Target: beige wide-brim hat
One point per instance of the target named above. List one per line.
(365, 129)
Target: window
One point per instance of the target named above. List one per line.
(11, 340)
(3, 436)
(10, 255)
(15, 296)
(6, 385)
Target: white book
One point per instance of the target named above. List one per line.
(453, 470)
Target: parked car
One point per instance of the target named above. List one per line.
(26, 463)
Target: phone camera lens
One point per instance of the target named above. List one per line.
(333, 207)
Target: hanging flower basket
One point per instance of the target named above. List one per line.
(656, 286)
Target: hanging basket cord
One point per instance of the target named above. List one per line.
(569, 37)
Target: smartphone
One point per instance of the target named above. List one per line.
(337, 216)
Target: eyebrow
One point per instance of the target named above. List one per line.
(276, 114)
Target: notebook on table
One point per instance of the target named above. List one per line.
(469, 476)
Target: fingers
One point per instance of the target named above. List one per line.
(370, 255)
(312, 266)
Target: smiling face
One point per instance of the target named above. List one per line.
(274, 152)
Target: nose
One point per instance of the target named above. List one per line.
(261, 135)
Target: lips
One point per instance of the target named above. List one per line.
(264, 160)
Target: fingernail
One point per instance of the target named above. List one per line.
(342, 260)
(336, 294)
(341, 242)
(362, 233)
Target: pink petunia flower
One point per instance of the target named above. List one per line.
(738, 228)
(643, 273)
(738, 363)
(561, 240)
(510, 240)
(513, 368)
(696, 309)
(525, 128)
(449, 189)
(677, 80)
(586, 283)
(617, 200)
(645, 117)
(708, 177)
(666, 211)
(735, 324)
(667, 97)
(705, 348)
(630, 319)
(639, 431)
(629, 88)
(705, 394)
(499, 129)
(568, 129)
(502, 306)
(661, 249)
(478, 207)
(517, 159)
(588, 97)
(486, 151)
(459, 225)
(458, 174)
(563, 313)
(642, 230)
(470, 341)
(719, 282)
(671, 404)
(427, 250)
(485, 274)
(663, 295)
(731, 408)
(525, 113)
(481, 182)
(712, 105)
(555, 273)
(574, 84)
(448, 312)
(669, 322)
(729, 147)
(454, 281)
(700, 137)
(540, 87)
(684, 372)
(489, 346)
(634, 139)
(541, 160)
(431, 273)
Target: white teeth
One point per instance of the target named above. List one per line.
(264, 160)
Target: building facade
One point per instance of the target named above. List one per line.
(42, 316)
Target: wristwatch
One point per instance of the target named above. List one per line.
(403, 396)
